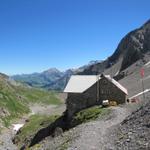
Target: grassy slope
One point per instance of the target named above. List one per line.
(14, 99)
(34, 95)
(36, 122)
(89, 114)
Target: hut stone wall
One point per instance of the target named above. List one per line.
(107, 91)
(78, 101)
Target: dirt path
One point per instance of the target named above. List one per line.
(93, 135)
(47, 109)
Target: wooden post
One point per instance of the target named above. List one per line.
(98, 87)
(143, 89)
(142, 76)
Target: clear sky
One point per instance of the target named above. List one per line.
(36, 35)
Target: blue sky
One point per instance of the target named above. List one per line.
(36, 35)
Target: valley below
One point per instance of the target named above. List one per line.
(19, 103)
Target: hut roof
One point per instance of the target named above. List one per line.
(80, 83)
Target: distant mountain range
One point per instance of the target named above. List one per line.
(51, 79)
(131, 48)
(39, 79)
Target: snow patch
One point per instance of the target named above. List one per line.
(16, 127)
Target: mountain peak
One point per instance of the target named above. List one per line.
(131, 48)
(51, 70)
(147, 22)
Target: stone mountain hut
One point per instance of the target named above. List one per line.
(88, 90)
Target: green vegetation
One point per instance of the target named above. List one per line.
(12, 108)
(15, 99)
(89, 114)
(34, 95)
(35, 123)
(35, 147)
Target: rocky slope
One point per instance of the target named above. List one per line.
(134, 131)
(130, 49)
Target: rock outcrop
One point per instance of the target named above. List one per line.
(130, 49)
(134, 132)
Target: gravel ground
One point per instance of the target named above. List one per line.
(93, 135)
(89, 136)
(134, 132)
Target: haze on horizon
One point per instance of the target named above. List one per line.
(37, 35)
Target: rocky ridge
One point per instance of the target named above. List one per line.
(134, 131)
(130, 49)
